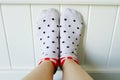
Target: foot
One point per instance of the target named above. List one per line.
(48, 31)
(70, 32)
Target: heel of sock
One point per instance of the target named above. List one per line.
(53, 60)
(62, 60)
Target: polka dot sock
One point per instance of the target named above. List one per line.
(70, 32)
(48, 31)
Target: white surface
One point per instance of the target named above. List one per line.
(4, 58)
(107, 2)
(97, 37)
(99, 50)
(99, 34)
(19, 35)
(114, 59)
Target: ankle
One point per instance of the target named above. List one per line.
(68, 59)
(52, 61)
(69, 62)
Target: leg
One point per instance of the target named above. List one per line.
(70, 32)
(47, 29)
(37, 73)
(73, 71)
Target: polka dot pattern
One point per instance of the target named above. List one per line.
(44, 20)
(65, 19)
(48, 33)
(70, 33)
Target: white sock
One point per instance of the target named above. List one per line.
(48, 31)
(70, 32)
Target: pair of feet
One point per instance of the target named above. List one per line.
(59, 36)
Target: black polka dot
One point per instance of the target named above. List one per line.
(68, 47)
(73, 52)
(39, 27)
(74, 20)
(44, 32)
(53, 41)
(69, 25)
(76, 38)
(73, 43)
(44, 20)
(65, 19)
(73, 32)
(48, 25)
(57, 37)
(60, 51)
(57, 25)
(78, 28)
(53, 51)
(40, 38)
(53, 19)
(68, 36)
(57, 47)
(53, 30)
(43, 42)
(47, 47)
(63, 41)
(64, 31)
(48, 36)
(60, 25)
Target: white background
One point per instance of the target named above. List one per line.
(19, 47)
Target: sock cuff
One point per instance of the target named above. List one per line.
(62, 60)
(53, 60)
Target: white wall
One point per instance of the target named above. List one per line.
(99, 47)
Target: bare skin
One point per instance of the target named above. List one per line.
(44, 71)
(73, 71)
